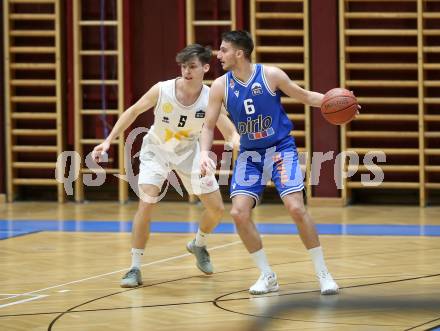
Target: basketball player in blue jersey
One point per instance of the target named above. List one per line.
(251, 95)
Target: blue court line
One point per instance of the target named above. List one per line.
(13, 228)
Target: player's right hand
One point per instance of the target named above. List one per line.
(207, 165)
(100, 150)
(358, 106)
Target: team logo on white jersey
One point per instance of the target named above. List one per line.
(167, 107)
(256, 89)
(165, 119)
(200, 113)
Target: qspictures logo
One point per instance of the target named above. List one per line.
(346, 165)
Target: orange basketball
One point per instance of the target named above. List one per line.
(339, 106)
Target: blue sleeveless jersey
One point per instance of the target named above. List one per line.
(256, 111)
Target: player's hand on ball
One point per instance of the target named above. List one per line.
(358, 106)
(339, 106)
(207, 164)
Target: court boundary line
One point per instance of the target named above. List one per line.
(117, 271)
(32, 298)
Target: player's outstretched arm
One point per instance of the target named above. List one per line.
(227, 129)
(212, 114)
(278, 79)
(147, 101)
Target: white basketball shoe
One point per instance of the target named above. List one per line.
(327, 283)
(266, 283)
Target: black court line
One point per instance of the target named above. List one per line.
(182, 303)
(429, 322)
(249, 268)
(219, 299)
(70, 310)
(109, 295)
(132, 289)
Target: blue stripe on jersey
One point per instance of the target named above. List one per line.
(256, 111)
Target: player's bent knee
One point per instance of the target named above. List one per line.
(214, 204)
(240, 216)
(297, 211)
(148, 194)
(217, 209)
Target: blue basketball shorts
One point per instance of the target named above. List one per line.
(255, 168)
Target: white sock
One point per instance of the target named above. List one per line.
(318, 260)
(201, 238)
(260, 260)
(136, 257)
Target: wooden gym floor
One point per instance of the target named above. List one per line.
(61, 265)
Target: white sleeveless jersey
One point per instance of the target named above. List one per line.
(177, 127)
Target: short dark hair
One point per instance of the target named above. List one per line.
(240, 39)
(202, 53)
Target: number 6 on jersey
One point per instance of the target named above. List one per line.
(249, 106)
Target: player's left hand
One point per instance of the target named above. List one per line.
(235, 141)
(207, 164)
(99, 152)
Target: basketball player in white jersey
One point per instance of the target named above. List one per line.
(172, 144)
